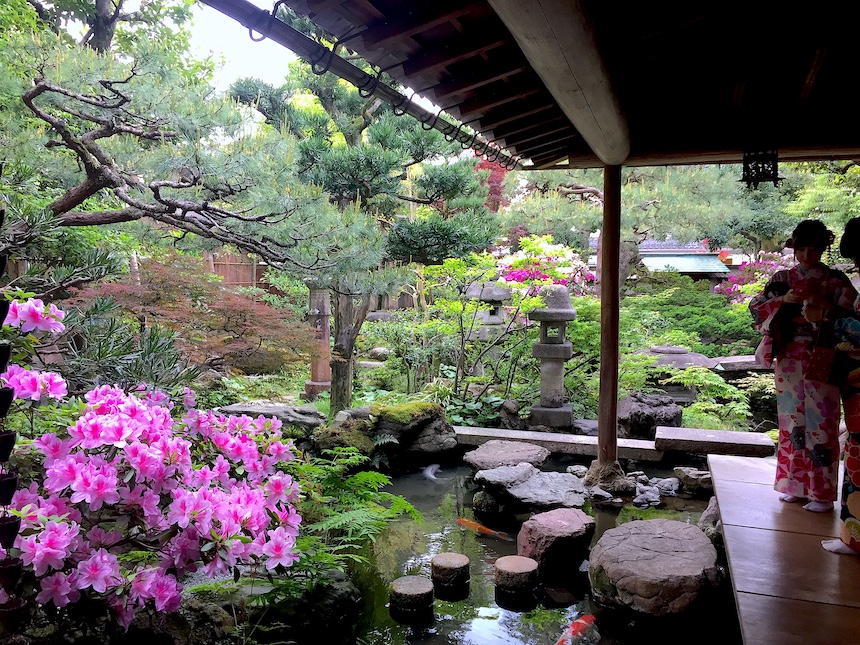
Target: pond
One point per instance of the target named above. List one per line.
(407, 548)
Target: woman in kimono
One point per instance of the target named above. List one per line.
(847, 332)
(808, 410)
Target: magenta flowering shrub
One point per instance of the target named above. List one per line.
(132, 499)
(539, 262)
(34, 386)
(752, 277)
(33, 314)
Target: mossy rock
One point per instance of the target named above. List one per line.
(407, 414)
(354, 433)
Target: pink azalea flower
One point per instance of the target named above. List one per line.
(98, 571)
(52, 447)
(279, 549)
(56, 588)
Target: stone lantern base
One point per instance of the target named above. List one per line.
(560, 417)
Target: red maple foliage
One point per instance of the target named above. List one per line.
(215, 326)
(495, 183)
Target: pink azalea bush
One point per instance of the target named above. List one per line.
(133, 499)
(32, 314)
(752, 277)
(539, 262)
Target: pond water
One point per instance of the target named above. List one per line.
(407, 547)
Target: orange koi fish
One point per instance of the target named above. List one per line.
(483, 530)
(577, 630)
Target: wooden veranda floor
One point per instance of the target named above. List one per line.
(788, 589)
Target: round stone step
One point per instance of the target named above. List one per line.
(411, 600)
(449, 569)
(515, 573)
(656, 567)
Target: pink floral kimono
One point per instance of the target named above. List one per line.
(808, 411)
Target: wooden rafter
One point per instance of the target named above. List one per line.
(385, 34)
(456, 51)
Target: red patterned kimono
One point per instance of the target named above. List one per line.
(808, 411)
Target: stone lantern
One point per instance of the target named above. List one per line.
(492, 317)
(553, 350)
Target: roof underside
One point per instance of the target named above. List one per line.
(583, 83)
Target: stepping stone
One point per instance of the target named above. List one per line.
(656, 567)
(515, 573)
(496, 453)
(411, 600)
(714, 442)
(450, 569)
(563, 534)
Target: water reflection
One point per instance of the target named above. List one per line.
(407, 548)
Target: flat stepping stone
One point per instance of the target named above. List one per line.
(567, 530)
(714, 442)
(656, 567)
(411, 600)
(515, 573)
(450, 569)
(558, 442)
(496, 453)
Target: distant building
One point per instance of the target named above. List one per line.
(686, 258)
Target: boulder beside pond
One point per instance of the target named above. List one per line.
(558, 540)
(305, 417)
(417, 427)
(655, 567)
(533, 488)
(639, 415)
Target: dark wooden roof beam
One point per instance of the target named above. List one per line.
(563, 126)
(538, 142)
(381, 35)
(559, 143)
(531, 128)
(500, 117)
(499, 70)
(559, 39)
(458, 50)
(482, 105)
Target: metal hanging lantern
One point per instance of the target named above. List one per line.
(761, 166)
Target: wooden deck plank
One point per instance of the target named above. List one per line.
(791, 565)
(758, 506)
(788, 590)
(768, 620)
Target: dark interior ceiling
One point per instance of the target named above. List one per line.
(585, 83)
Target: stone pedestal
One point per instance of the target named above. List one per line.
(319, 317)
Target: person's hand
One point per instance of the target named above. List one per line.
(812, 313)
(794, 297)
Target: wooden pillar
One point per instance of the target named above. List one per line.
(610, 240)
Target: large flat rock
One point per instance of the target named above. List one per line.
(714, 442)
(656, 567)
(495, 453)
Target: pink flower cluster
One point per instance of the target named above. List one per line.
(33, 385)
(204, 491)
(752, 277)
(33, 314)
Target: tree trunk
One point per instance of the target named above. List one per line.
(349, 315)
(103, 25)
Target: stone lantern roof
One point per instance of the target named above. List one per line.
(558, 307)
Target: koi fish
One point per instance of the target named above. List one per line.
(429, 473)
(483, 530)
(577, 630)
